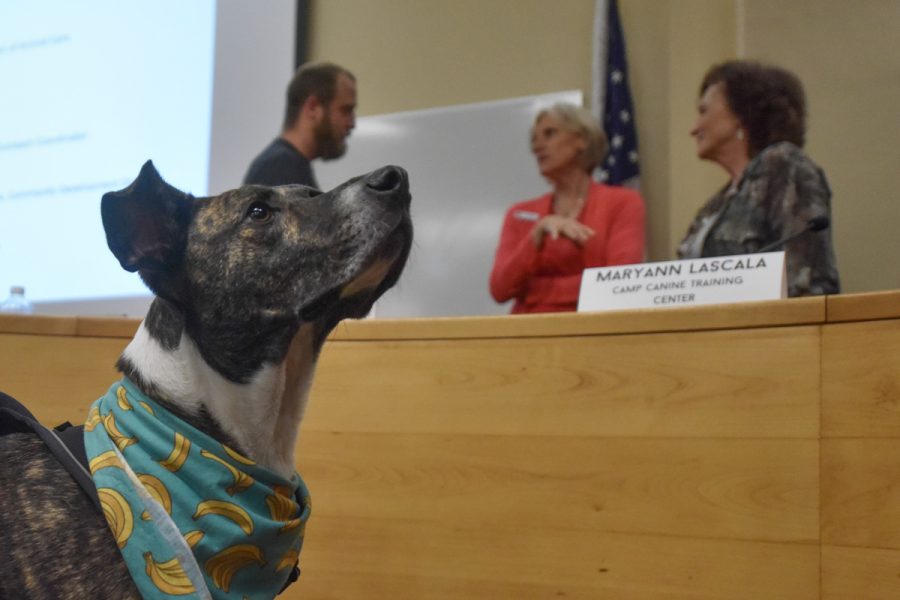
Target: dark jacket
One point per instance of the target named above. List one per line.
(780, 191)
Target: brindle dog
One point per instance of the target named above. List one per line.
(248, 285)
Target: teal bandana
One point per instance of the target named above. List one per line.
(192, 517)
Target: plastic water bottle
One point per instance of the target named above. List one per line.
(16, 303)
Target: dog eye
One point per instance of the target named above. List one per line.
(260, 212)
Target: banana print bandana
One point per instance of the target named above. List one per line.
(192, 517)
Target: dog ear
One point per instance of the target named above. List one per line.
(146, 224)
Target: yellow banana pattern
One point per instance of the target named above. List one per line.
(157, 490)
(284, 510)
(229, 510)
(147, 407)
(283, 490)
(107, 459)
(193, 537)
(93, 419)
(294, 524)
(112, 430)
(242, 481)
(281, 508)
(179, 453)
(222, 567)
(118, 514)
(122, 398)
(168, 576)
(289, 559)
(236, 456)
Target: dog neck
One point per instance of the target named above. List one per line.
(260, 418)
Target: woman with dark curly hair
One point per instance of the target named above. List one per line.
(752, 122)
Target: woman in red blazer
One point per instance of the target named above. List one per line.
(547, 242)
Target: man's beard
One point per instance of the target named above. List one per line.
(329, 142)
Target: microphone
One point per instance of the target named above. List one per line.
(814, 224)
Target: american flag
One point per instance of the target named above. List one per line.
(612, 97)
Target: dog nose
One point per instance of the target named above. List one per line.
(387, 179)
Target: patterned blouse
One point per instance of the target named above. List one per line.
(780, 191)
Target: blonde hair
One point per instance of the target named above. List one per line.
(581, 122)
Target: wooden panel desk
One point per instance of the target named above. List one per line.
(740, 451)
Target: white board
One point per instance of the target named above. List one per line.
(467, 164)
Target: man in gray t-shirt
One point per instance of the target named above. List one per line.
(320, 113)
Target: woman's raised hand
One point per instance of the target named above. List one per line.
(557, 225)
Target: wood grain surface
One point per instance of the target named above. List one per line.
(861, 379)
(58, 377)
(863, 307)
(745, 383)
(348, 558)
(735, 452)
(860, 573)
(764, 490)
(861, 492)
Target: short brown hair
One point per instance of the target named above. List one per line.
(318, 79)
(580, 121)
(768, 101)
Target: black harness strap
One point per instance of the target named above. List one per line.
(65, 442)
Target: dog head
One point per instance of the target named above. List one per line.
(241, 272)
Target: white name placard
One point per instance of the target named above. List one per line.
(739, 278)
